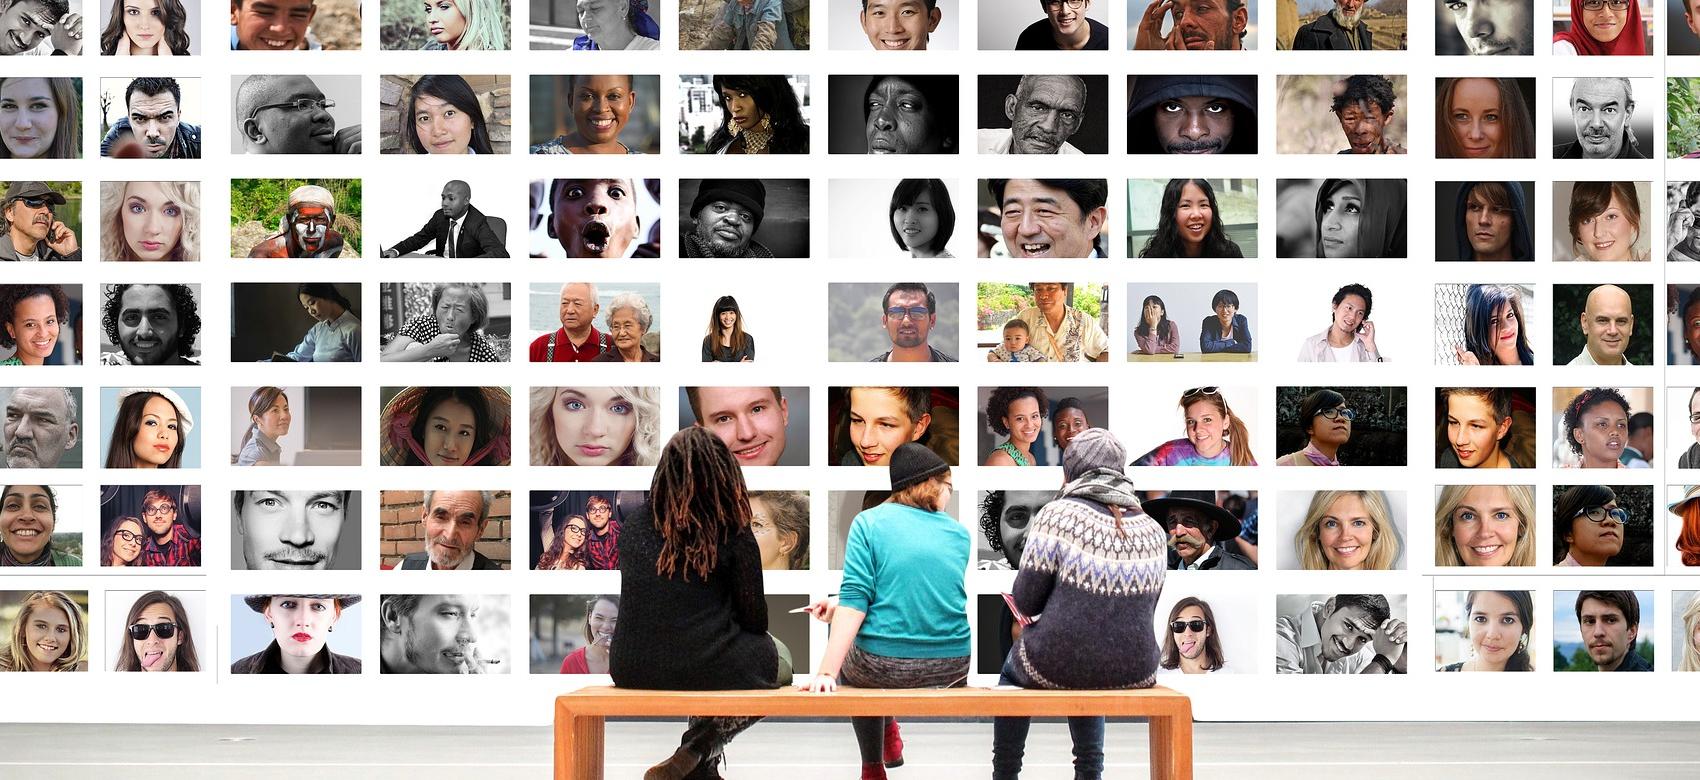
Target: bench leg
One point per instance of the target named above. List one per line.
(1171, 747)
(578, 747)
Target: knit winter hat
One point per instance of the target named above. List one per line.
(913, 463)
(1093, 448)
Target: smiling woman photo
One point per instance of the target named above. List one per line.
(49, 634)
(601, 107)
(1485, 525)
(40, 118)
(1189, 224)
(1610, 27)
(922, 217)
(1605, 221)
(1499, 624)
(1347, 530)
(32, 315)
(28, 515)
(1019, 413)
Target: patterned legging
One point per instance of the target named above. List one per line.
(866, 670)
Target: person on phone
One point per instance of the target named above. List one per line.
(1350, 337)
(35, 233)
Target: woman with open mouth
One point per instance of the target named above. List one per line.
(444, 117)
(758, 115)
(1347, 530)
(1192, 643)
(1605, 221)
(446, 426)
(1019, 413)
(40, 118)
(1499, 624)
(300, 626)
(1602, 27)
(157, 636)
(32, 315)
(1189, 224)
(1596, 426)
(28, 515)
(595, 426)
(601, 107)
(601, 617)
(145, 27)
(50, 634)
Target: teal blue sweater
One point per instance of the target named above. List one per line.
(905, 567)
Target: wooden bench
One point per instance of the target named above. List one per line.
(580, 715)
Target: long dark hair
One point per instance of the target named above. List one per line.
(553, 558)
(457, 93)
(910, 190)
(1163, 324)
(698, 502)
(120, 450)
(109, 540)
(327, 291)
(1519, 660)
(185, 660)
(726, 303)
(1166, 242)
(776, 99)
(171, 15)
(68, 104)
(1480, 302)
(473, 398)
(1212, 643)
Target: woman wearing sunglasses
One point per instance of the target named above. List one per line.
(158, 635)
(1327, 421)
(1588, 526)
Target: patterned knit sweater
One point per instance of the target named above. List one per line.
(1096, 590)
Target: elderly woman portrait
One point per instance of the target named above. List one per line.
(445, 426)
(594, 111)
(758, 114)
(628, 321)
(595, 426)
(1485, 525)
(1483, 117)
(300, 626)
(40, 118)
(451, 329)
(609, 24)
(150, 220)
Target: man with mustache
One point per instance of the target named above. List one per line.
(429, 635)
(1601, 108)
(1198, 529)
(909, 311)
(1190, 114)
(1349, 633)
(151, 324)
(153, 125)
(1200, 25)
(289, 115)
(725, 215)
(306, 229)
(39, 27)
(1364, 106)
(40, 427)
(1341, 29)
(1611, 621)
(28, 220)
(1608, 322)
(458, 229)
(289, 530)
(453, 522)
(1064, 28)
(1495, 27)
(1043, 113)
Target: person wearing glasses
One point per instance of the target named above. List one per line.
(1588, 526)
(1609, 27)
(1193, 644)
(1596, 426)
(909, 311)
(289, 115)
(169, 541)
(1064, 28)
(1349, 633)
(159, 636)
(1198, 529)
(1350, 337)
(1327, 421)
(123, 544)
(35, 233)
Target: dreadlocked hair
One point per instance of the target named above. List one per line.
(698, 501)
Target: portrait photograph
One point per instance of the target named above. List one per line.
(44, 117)
(1682, 27)
(844, 505)
(744, 114)
(1341, 426)
(292, 634)
(893, 114)
(447, 114)
(1341, 633)
(306, 322)
(1357, 114)
(1205, 628)
(897, 218)
(295, 530)
(1683, 524)
(1005, 516)
(1188, 218)
(44, 219)
(1191, 114)
(1603, 630)
(44, 631)
(452, 633)
(595, 426)
(1485, 428)
(762, 426)
(1594, 118)
(579, 530)
(1485, 631)
(1682, 325)
(150, 526)
(1594, 325)
(1341, 218)
(1031, 426)
(42, 525)
(311, 25)
(734, 25)
(150, 427)
(150, 325)
(1201, 25)
(1485, 525)
(1484, 28)
(446, 322)
(447, 218)
(295, 114)
(151, 117)
(294, 426)
(1603, 427)
(1603, 220)
(142, 221)
(1477, 117)
(1043, 114)
(1486, 324)
(1341, 25)
(896, 25)
(612, 322)
(596, 114)
(1212, 431)
(1191, 321)
(870, 423)
(1682, 237)
(1354, 317)
(42, 324)
(156, 631)
(1341, 530)
(1600, 27)
(444, 25)
(1607, 525)
(596, 218)
(1682, 442)
(732, 323)
(743, 218)
(1685, 626)
(1044, 218)
(42, 428)
(445, 530)
(1486, 221)
(1040, 322)
(42, 28)
(594, 25)
(1206, 530)
(444, 426)
(861, 325)
(1046, 25)
(295, 218)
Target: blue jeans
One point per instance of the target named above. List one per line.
(1009, 741)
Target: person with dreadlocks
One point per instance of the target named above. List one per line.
(693, 610)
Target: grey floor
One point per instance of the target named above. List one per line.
(787, 751)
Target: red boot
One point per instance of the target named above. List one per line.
(893, 745)
(873, 771)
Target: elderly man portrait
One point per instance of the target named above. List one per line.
(289, 115)
(900, 25)
(306, 229)
(577, 340)
(1199, 25)
(1601, 109)
(1608, 322)
(35, 233)
(1492, 27)
(39, 427)
(1364, 105)
(39, 27)
(908, 312)
(458, 229)
(596, 218)
(291, 530)
(272, 25)
(1341, 29)
(724, 218)
(1192, 114)
(152, 125)
(1201, 533)
(1043, 113)
(151, 324)
(1051, 218)
(1064, 28)
(453, 522)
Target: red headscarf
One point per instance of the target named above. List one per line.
(1633, 39)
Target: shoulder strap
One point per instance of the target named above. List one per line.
(550, 358)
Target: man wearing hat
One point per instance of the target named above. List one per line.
(28, 219)
(306, 229)
(1189, 114)
(1198, 530)
(300, 624)
(724, 218)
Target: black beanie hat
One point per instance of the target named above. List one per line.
(748, 193)
(913, 463)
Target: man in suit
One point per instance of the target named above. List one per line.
(459, 229)
(454, 521)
